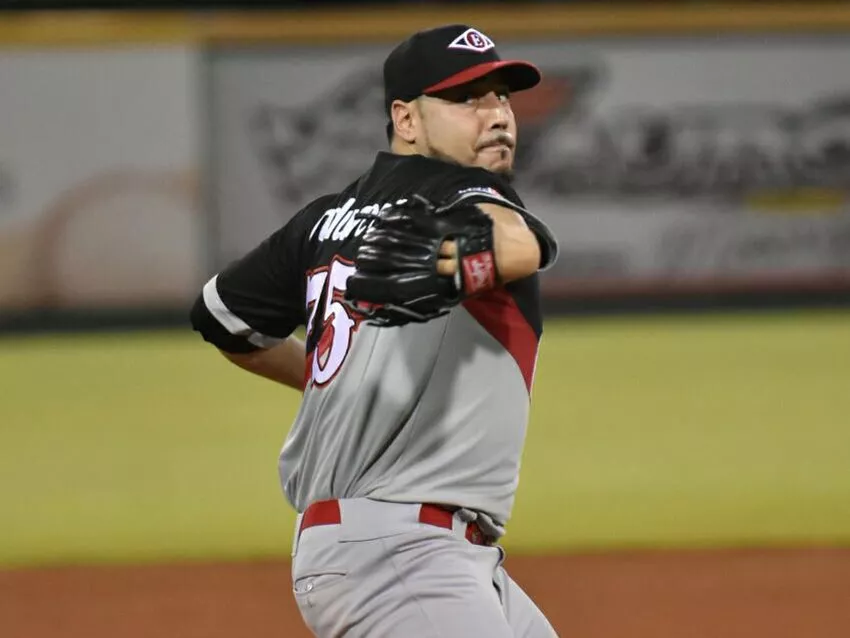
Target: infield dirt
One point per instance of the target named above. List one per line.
(802, 593)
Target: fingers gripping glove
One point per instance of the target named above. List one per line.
(396, 280)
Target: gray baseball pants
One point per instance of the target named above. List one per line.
(380, 573)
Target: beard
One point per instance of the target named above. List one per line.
(502, 137)
(507, 172)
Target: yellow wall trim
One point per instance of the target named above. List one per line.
(391, 23)
(87, 28)
(529, 20)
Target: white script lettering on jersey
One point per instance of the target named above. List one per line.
(338, 224)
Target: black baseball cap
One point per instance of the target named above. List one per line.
(437, 59)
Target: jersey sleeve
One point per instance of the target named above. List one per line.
(480, 180)
(257, 301)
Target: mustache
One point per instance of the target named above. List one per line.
(502, 139)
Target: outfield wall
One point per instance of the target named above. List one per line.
(690, 153)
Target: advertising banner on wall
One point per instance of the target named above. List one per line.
(677, 164)
(98, 179)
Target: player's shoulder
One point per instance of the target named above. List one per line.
(315, 208)
(302, 222)
(437, 179)
(458, 180)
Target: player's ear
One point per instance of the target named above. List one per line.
(405, 120)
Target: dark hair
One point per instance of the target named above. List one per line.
(390, 131)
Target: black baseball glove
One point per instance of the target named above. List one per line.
(397, 282)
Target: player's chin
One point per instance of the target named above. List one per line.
(505, 169)
(502, 164)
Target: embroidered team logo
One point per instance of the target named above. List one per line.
(472, 40)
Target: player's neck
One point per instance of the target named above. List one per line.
(400, 147)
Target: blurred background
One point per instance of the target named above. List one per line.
(687, 470)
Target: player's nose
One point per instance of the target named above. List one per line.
(497, 112)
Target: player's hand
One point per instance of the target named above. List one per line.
(447, 264)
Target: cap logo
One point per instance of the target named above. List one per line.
(472, 40)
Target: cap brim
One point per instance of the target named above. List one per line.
(517, 74)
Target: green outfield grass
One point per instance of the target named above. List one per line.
(707, 431)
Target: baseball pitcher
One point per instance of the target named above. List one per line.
(417, 285)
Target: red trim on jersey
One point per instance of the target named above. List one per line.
(498, 314)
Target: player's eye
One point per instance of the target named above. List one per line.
(473, 98)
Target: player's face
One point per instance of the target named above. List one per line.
(472, 125)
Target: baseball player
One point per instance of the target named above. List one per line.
(417, 285)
